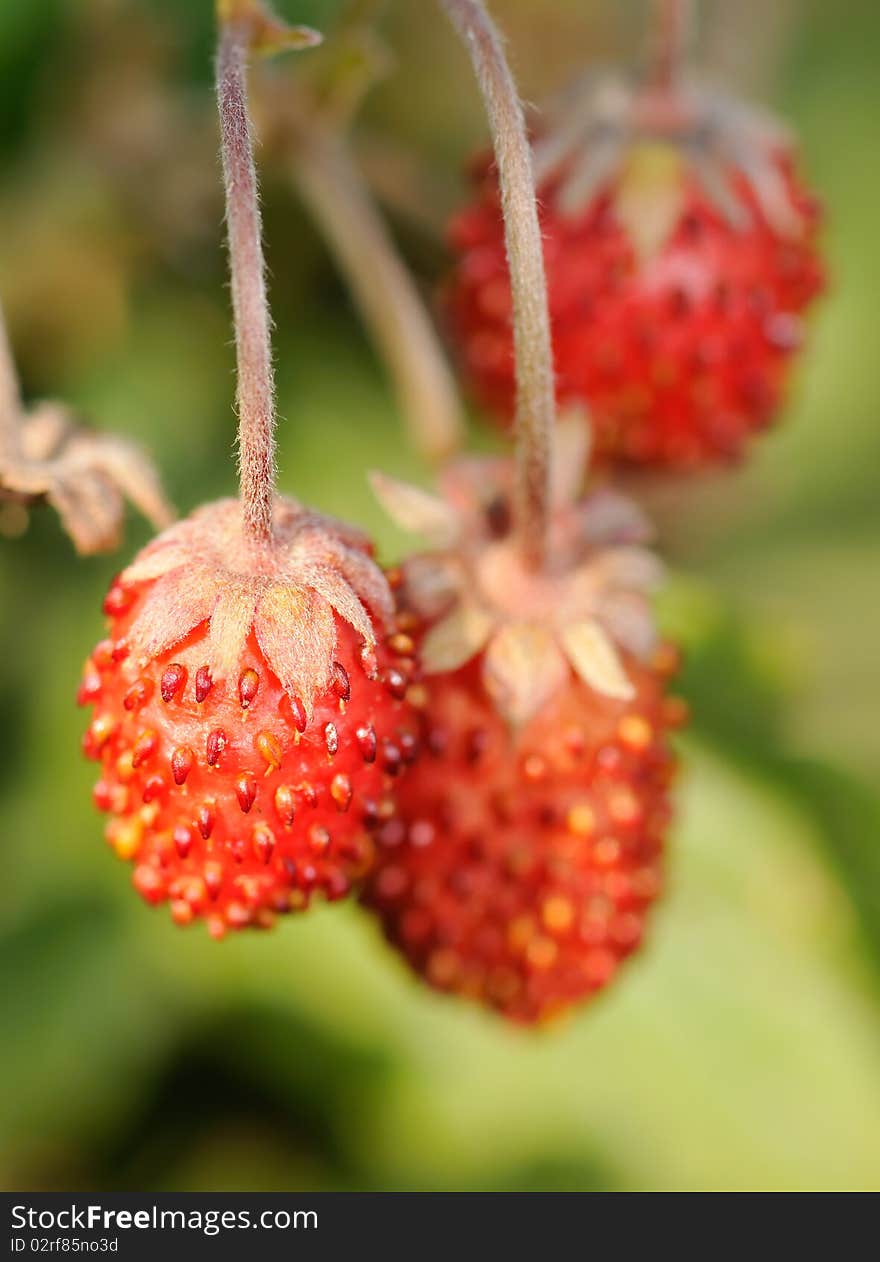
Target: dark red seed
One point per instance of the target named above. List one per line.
(248, 686)
(212, 874)
(298, 714)
(181, 763)
(309, 793)
(475, 744)
(102, 795)
(138, 694)
(246, 792)
(395, 682)
(306, 876)
(183, 840)
(144, 747)
(204, 682)
(285, 804)
(341, 791)
(366, 739)
(215, 745)
(155, 787)
(173, 681)
(205, 819)
(391, 758)
(89, 689)
(117, 601)
(319, 839)
(263, 843)
(341, 682)
(336, 885)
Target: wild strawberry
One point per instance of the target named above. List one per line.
(680, 250)
(527, 844)
(250, 714)
(522, 863)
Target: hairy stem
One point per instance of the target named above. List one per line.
(671, 36)
(535, 405)
(10, 397)
(255, 394)
(392, 309)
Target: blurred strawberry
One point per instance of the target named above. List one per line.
(680, 249)
(522, 864)
(527, 845)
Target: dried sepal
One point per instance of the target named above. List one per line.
(586, 612)
(605, 132)
(84, 474)
(522, 669)
(650, 197)
(203, 570)
(594, 657)
(456, 638)
(296, 632)
(414, 510)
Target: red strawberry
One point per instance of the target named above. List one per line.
(680, 254)
(250, 713)
(521, 865)
(528, 840)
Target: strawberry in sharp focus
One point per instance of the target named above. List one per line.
(250, 714)
(528, 841)
(681, 255)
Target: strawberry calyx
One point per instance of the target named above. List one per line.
(533, 628)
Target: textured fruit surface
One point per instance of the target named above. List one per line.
(520, 868)
(233, 799)
(679, 355)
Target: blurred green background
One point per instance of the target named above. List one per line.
(742, 1049)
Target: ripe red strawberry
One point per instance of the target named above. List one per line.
(522, 864)
(249, 714)
(528, 840)
(680, 254)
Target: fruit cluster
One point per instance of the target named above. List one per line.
(477, 742)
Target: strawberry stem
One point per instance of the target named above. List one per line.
(535, 404)
(255, 395)
(10, 397)
(671, 37)
(334, 190)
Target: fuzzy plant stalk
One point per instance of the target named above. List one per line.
(671, 39)
(535, 403)
(255, 393)
(10, 396)
(333, 188)
(251, 697)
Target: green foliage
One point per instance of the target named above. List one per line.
(741, 1048)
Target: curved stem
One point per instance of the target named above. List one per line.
(671, 35)
(256, 388)
(395, 315)
(535, 405)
